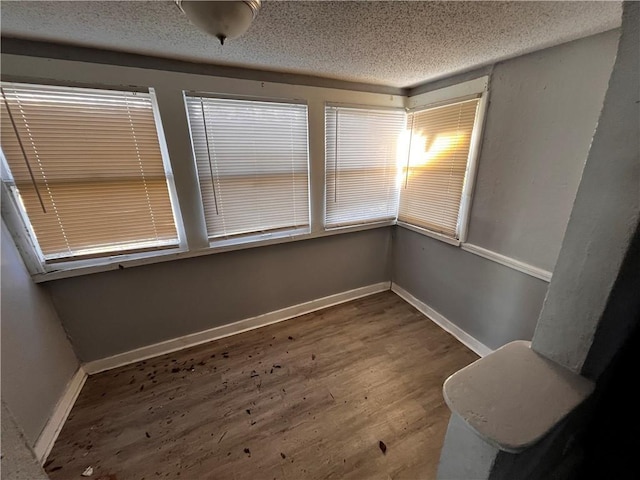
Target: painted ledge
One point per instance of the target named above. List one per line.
(508, 261)
(81, 267)
(515, 396)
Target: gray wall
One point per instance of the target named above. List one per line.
(493, 303)
(542, 114)
(37, 358)
(112, 312)
(603, 222)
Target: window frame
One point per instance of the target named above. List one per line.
(168, 99)
(256, 237)
(19, 224)
(441, 97)
(372, 108)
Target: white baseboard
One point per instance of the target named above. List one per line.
(439, 319)
(508, 261)
(205, 336)
(45, 441)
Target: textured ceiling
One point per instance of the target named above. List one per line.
(395, 43)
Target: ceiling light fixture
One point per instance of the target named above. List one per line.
(223, 20)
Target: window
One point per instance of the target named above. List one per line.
(86, 168)
(253, 165)
(436, 170)
(87, 184)
(361, 148)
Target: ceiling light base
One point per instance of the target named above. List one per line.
(223, 20)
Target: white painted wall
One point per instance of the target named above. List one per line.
(37, 358)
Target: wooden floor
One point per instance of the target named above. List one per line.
(309, 398)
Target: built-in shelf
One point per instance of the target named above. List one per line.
(514, 396)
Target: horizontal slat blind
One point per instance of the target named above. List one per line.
(96, 165)
(253, 164)
(361, 148)
(434, 175)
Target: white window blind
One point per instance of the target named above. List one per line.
(88, 169)
(434, 175)
(253, 164)
(361, 149)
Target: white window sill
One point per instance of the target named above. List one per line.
(513, 263)
(423, 231)
(376, 223)
(239, 240)
(86, 267)
(75, 269)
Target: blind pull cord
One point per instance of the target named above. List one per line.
(335, 164)
(24, 153)
(206, 137)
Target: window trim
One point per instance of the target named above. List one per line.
(430, 233)
(479, 88)
(353, 106)
(255, 236)
(244, 98)
(19, 224)
(360, 106)
(18, 214)
(315, 97)
(168, 172)
(19, 229)
(135, 260)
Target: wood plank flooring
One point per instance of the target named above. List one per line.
(309, 398)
